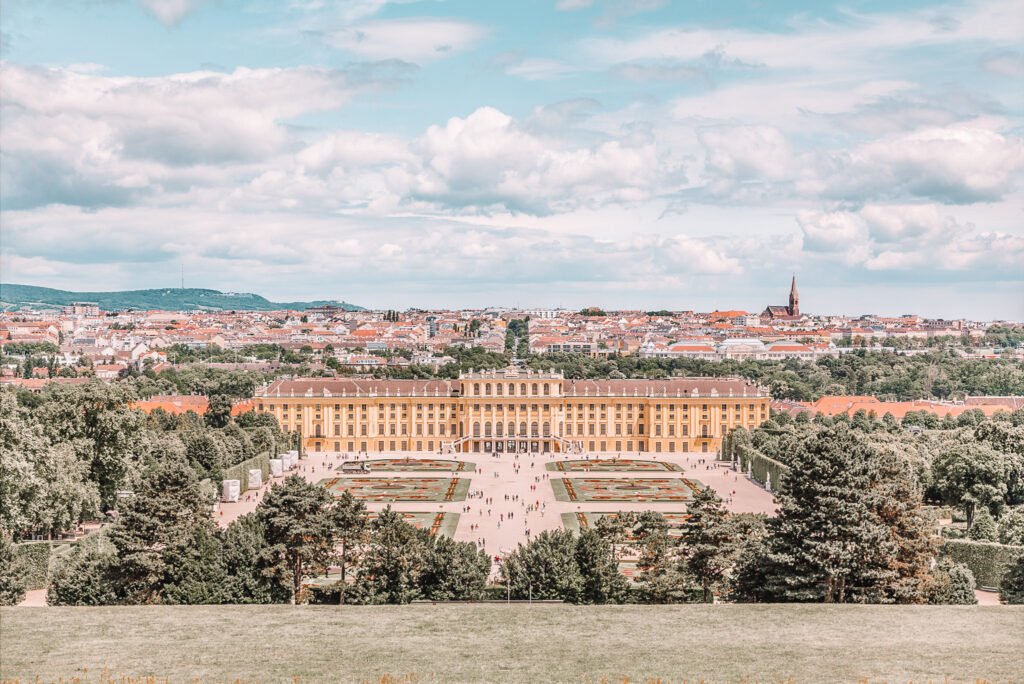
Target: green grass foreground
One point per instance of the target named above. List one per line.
(517, 643)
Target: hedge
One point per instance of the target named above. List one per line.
(34, 558)
(39, 558)
(240, 471)
(761, 466)
(987, 560)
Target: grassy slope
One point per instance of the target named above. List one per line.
(519, 643)
(168, 299)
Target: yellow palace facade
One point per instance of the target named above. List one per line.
(513, 410)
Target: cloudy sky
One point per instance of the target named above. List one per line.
(621, 153)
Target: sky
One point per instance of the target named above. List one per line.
(539, 153)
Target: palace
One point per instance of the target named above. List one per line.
(514, 410)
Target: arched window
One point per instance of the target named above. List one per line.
(487, 429)
(511, 389)
(533, 388)
(487, 389)
(522, 388)
(511, 429)
(476, 428)
(547, 389)
(703, 430)
(547, 429)
(522, 429)
(499, 386)
(499, 427)
(476, 388)
(533, 429)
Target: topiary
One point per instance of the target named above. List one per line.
(984, 527)
(1012, 589)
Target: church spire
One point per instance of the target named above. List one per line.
(794, 299)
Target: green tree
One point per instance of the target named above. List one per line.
(244, 548)
(349, 518)
(155, 526)
(454, 571)
(218, 413)
(970, 475)
(12, 578)
(984, 527)
(599, 569)
(1011, 527)
(1011, 590)
(299, 531)
(826, 543)
(196, 571)
(86, 577)
(393, 562)
(545, 568)
(705, 542)
(952, 584)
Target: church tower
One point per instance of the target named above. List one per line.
(794, 299)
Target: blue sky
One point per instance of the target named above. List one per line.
(636, 154)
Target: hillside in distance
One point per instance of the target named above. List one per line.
(14, 296)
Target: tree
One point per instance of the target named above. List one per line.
(826, 543)
(952, 584)
(299, 531)
(12, 579)
(895, 499)
(705, 542)
(349, 519)
(454, 571)
(196, 572)
(86, 577)
(1011, 527)
(244, 550)
(984, 527)
(1011, 589)
(546, 568)
(970, 474)
(599, 568)
(156, 525)
(393, 562)
(218, 412)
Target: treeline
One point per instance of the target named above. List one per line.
(166, 549)
(889, 376)
(850, 529)
(971, 462)
(68, 453)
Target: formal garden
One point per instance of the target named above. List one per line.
(386, 489)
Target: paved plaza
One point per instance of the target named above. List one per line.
(509, 495)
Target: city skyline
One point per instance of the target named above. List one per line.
(573, 152)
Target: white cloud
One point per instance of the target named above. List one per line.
(416, 40)
(171, 12)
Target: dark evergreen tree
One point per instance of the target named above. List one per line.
(826, 543)
(244, 553)
(706, 542)
(299, 532)
(546, 568)
(984, 527)
(1011, 589)
(87, 577)
(952, 584)
(349, 518)
(454, 571)
(393, 562)
(599, 568)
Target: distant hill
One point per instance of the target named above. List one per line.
(169, 299)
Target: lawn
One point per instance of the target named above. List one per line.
(515, 643)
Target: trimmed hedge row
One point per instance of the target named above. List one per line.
(240, 471)
(39, 558)
(760, 466)
(987, 560)
(34, 559)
